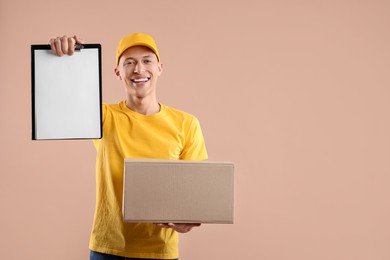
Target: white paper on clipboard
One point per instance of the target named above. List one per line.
(66, 93)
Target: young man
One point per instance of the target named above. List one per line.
(138, 127)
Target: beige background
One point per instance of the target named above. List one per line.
(296, 93)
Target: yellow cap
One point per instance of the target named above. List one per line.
(135, 39)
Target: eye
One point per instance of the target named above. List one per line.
(147, 61)
(129, 62)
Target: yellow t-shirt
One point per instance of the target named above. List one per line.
(168, 134)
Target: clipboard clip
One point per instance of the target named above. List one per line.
(78, 47)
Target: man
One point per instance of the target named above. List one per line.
(138, 127)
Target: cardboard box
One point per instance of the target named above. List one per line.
(177, 191)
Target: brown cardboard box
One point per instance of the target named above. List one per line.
(178, 191)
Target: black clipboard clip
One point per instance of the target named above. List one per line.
(78, 47)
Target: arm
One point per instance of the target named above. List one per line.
(64, 45)
(194, 149)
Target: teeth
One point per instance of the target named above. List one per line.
(139, 80)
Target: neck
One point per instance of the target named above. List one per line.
(142, 106)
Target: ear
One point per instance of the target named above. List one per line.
(160, 68)
(117, 73)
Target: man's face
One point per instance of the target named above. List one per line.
(139, 70)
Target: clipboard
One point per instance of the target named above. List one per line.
(66, 93)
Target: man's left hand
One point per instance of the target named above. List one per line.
(179, 227)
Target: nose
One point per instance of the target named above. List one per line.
(138, 68)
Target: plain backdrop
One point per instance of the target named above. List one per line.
(295, 93)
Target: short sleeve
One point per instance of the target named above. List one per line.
(194, 147)
(104, 114)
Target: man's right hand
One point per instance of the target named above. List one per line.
(64, 45)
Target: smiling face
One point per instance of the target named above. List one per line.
(139, 70)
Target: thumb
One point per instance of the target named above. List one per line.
(78, 39)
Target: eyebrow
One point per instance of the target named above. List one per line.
(146, 56)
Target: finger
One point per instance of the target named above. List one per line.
(181, 228)
(162, 225)
(57, 46)
(53, 46)
(175, 226)
(64, 44)
(71, 45)
(78, 39)
(185, 224)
